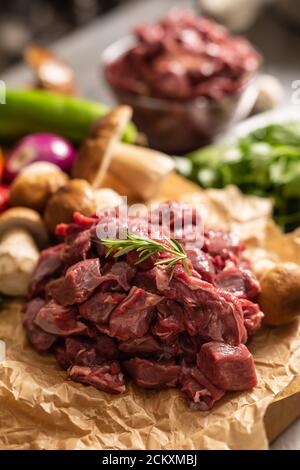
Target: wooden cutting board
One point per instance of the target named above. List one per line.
(286, 407)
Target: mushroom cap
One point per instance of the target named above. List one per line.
(28, 219)
(94, 156)
(35, 185)
(280, 294)
(51, 72)
(141, 169)
(106, 197)
(76, 196)
(19, 256)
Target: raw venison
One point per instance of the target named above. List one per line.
(87, 351)
(78, 249)
(131, 319)
(209, 313)
(50, 263)
(107, 377)
(58, 320)
(252, 316)
(60, 355)
(202, 263)
(238, 281)
(147, 280)
(41, 340)
(200, 392)
(117, 276)
(227, 367)
(108, 319)
(149, 346)
(144, 345)
(189, 347)
(80, 351)
(222, 243)
(170, 321)
(78, 283)
(181, 58)
(100, 305)
(153, 374)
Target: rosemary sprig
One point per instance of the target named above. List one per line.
(146, 247)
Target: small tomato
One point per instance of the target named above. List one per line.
(4, 197)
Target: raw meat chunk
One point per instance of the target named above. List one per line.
(107, 377)
(227, 367)
(78, 283)
(58, 320)
(152, 374)
(41, 340)
(131, 319)
(100, 305)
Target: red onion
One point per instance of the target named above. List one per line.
(42, 147)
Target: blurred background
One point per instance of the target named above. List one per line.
(45, 21)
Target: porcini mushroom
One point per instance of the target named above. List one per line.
(94, 156)
(76, 196)
(36, 184)
(141, 170)
(106, 197)
(22, 233)
(280, 293)
(51, 72)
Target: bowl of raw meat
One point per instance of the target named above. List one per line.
(185, 77)
(111, 316)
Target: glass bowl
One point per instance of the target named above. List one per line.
(177, 127)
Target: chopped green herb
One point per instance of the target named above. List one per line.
(146, 247)
(265, 163)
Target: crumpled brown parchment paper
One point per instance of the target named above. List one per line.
(40, 409)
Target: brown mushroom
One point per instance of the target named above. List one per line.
(51, 72)
(76, 196)
(113, 182)
(35, 185)
(106, 197)
(22, 233)
(2, 351)
(139, 169)
(94, 156)
(280, 294)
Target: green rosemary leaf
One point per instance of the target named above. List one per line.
(186, 267)
(146, 247)
(167, 261)
(123, 251)
(111, 249)
(178, 246)
(144, 258)
(172, 243)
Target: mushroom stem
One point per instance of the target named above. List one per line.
(140, 168)
(18, 258)
(102, 155)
